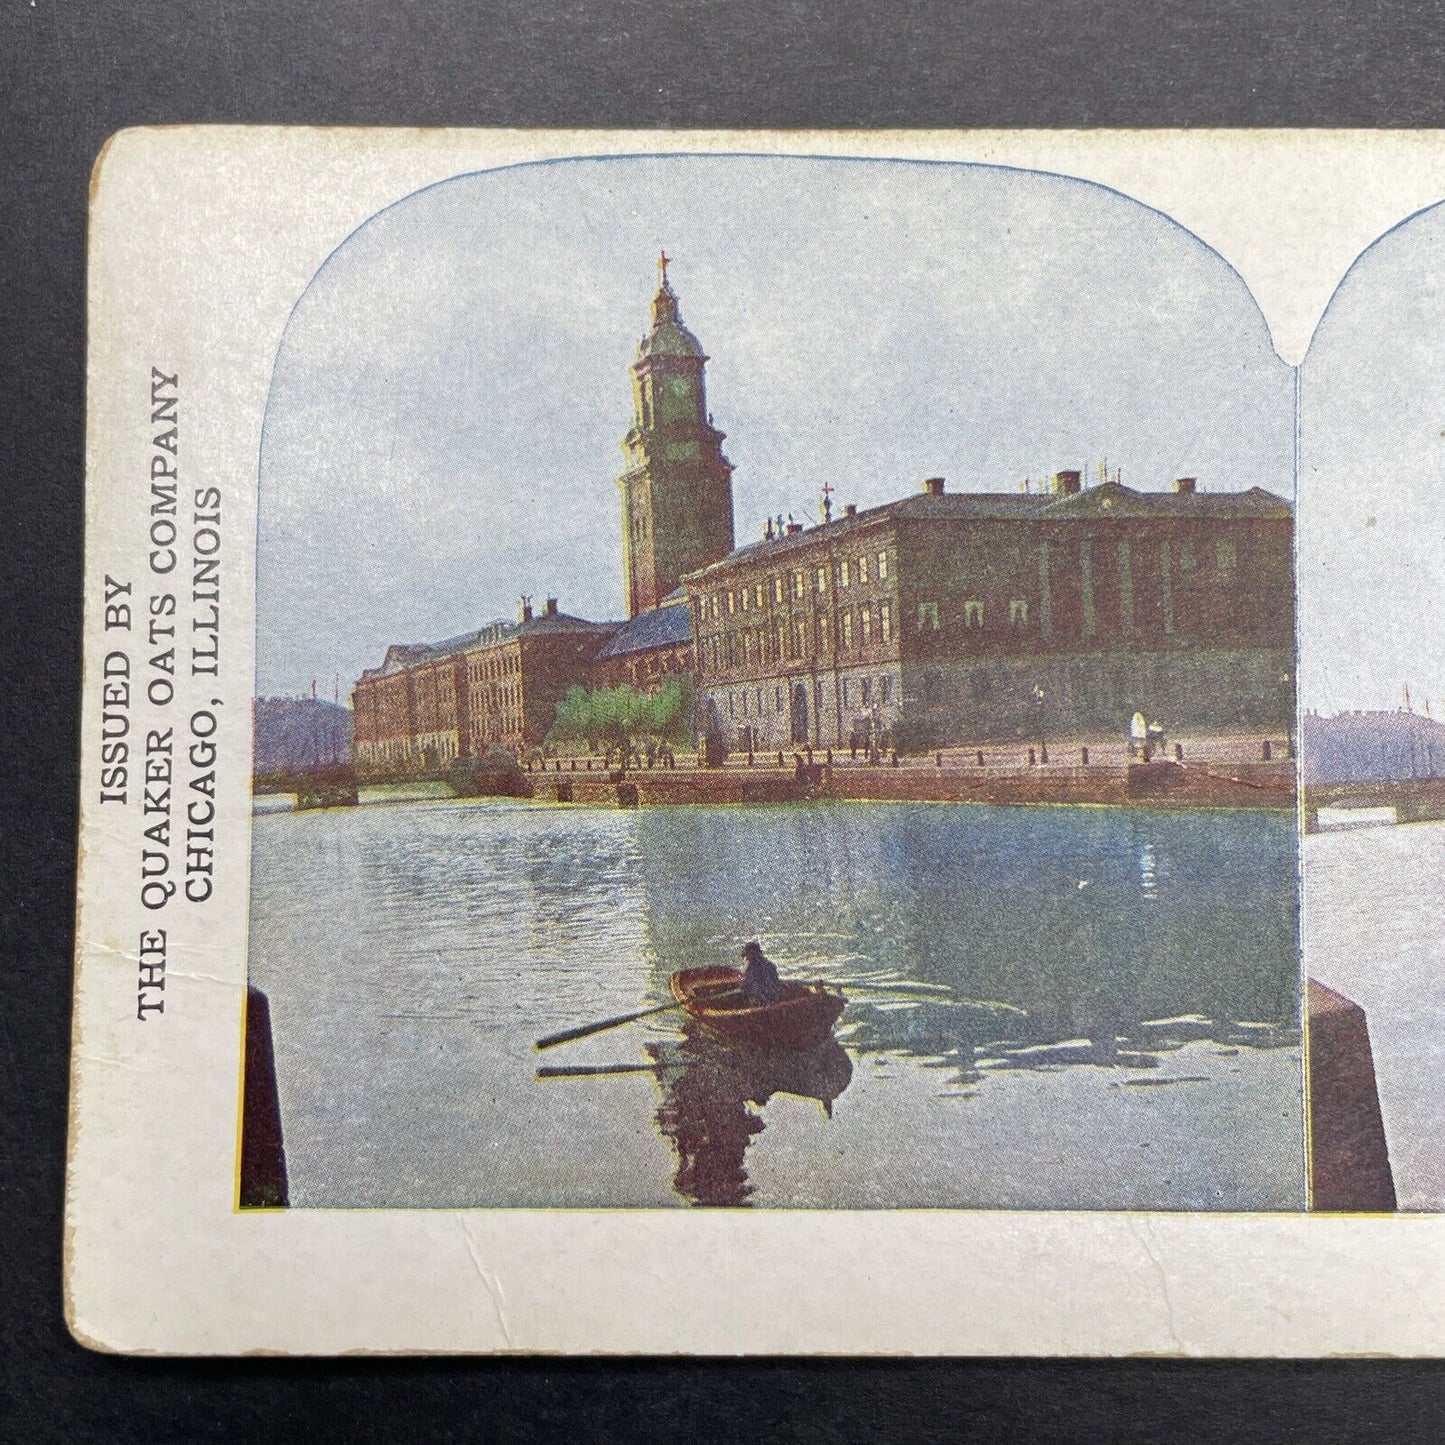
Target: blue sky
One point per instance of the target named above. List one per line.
(443, 426)
(1372, 481)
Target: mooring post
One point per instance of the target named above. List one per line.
(1349, 1156)
(263, 1153)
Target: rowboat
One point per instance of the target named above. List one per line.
(801, 1019)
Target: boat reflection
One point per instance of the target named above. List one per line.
(712, 1098)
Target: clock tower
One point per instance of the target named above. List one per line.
(677, 496)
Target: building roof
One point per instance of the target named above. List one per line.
(402, 655)
(548, 623)
(1111, 499)
(667, 625)
(1117, 500)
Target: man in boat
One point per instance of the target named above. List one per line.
(761, 984)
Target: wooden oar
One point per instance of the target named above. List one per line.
(587, 1030)
(588, 1071)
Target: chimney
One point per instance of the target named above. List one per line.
(851, 510)
(526, 609)
(1068, 484)
(549, 608)
(794, 528)
(934, 486)
(1184, 486)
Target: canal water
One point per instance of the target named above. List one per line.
(1051, 1008)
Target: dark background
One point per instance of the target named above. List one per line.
(73, 71)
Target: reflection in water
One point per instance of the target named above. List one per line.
(1009, 972)
(1100, 936)
(709, 1094)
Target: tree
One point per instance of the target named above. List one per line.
(617, 719)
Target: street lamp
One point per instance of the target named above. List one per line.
(1039, 706)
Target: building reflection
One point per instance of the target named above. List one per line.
(712, 1101)
(1104, 937)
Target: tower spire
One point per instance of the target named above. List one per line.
(664, 304)
(677, 507)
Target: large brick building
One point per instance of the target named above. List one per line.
(945, 617)
(430, 704)
(970, 616)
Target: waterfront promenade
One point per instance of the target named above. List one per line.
(1216, 771)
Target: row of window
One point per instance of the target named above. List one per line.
(798, 640)
(849, 571)
(393, 720)
(492, 669)
(649, 667)
(798, 584)
(398, 750)
(1018, 615)
(495, 696)
(496, 728)
(1226, 557)
(760, 702)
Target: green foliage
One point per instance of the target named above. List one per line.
(616, 719)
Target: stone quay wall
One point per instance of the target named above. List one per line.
(1161, 784)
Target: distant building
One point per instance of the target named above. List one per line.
(1370, 747)
(955, 617)
(430, 704)
(299, 734)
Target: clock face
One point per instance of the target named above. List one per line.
(678, 386)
